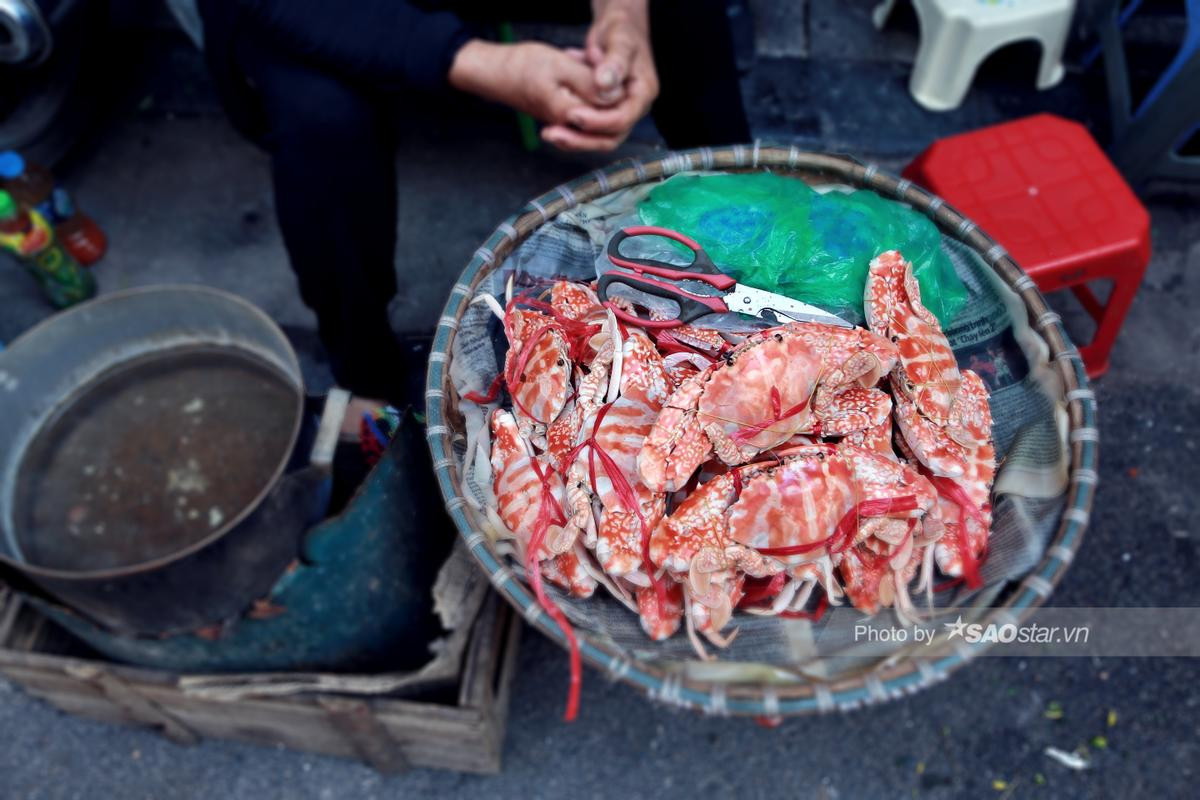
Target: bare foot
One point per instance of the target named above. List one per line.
(352, 422)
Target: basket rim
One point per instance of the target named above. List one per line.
(905, 677)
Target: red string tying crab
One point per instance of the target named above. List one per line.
(692, 474)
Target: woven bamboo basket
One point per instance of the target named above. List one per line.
(903, 677)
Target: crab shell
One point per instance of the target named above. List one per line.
(967, 528)
(801, 501)
(537, 368)
(617, 431)
(519, 496)
(928, 373)
(713, 538)
(576, 301)
(776, 368)
(660, 618)
(796, 503)
(693, 547)
(875, 574)
(800, 377)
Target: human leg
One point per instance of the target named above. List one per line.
(333, 170)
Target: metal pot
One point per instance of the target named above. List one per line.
(149, 579)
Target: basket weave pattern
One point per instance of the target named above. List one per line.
(751, 699)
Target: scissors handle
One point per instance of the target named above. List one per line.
(691, 306)
(701, 267)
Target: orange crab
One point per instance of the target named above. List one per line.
(529, 496)
(692, 545)
(941, 411)
(836, 504)
(557, 352)
(537, 369)
(620, 385)
(629, 509)
(618, 432)
(791, 435)
(815, 508)
(966, 510)
(797, 378)
(591, 331)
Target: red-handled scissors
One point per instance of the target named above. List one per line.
(730, 296)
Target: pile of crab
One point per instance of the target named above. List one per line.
(691, 475)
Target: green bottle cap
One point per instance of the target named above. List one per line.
(8, 206)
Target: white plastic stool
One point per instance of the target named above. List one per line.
(957, 35)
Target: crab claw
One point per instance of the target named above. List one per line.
(711, 613)
(876, 574)
(928, 441)
(970, 415)
(928, 373)
(660, 620)
(569, 570)
(677, 444)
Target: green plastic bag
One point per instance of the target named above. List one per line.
(776, 233)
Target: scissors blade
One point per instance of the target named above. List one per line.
(748, 300)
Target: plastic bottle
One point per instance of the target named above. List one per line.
(28, 236)
(30, 185)
(33, 187)
(77, 232)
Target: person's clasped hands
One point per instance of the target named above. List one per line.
(588, 99)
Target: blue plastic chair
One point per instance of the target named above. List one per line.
(1147, 139)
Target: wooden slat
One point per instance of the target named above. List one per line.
(100, 709)
(459, 755)
(406, 720)
(27, 628)
(469, 745)
(483, 654)
(388, 733)
(10, 606)
(504, 680)
(134, 703)
(371, 740)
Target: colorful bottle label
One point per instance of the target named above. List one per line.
(26, 243)
(60, 276)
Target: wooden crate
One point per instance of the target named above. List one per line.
(461, 728)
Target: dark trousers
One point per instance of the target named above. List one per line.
(332, 144)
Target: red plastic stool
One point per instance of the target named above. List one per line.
(1042, 188)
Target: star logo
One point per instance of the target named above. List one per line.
(956, 628)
